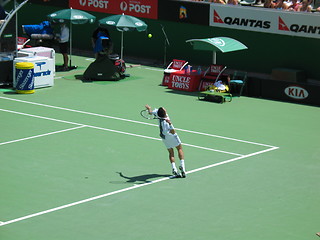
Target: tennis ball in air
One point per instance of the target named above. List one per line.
(149, 35)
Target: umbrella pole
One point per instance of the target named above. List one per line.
(166, 41)
(214, 58)
(70, 39)
(122, 45)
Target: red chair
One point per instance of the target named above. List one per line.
(174, 66)
(211, 75)
(22, 41)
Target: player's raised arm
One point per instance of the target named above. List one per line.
(148, 108)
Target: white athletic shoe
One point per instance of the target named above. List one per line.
(176, 174)
(183, 174)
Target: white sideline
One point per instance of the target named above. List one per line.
(129, 188)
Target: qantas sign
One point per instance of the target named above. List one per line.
(265, 20)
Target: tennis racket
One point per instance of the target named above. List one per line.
(145, 113)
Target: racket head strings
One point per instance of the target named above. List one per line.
(145, 113)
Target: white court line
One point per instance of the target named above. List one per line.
(115, 131)
(184, 144)
(35, 116)
(133, 121)
(130, 188)
(122, 190)
(41, 135)
(154, 69)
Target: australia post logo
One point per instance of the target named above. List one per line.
(137, 8)
(103, 4)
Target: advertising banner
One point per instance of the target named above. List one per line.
(136, 8)
(184, 11)
(56, 3)
(265, 20)
(291, 92)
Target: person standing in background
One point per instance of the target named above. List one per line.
(63, 39)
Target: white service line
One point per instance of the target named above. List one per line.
(35, 116)
(112, 130)
(210, 149)
(158, 139)
(78, 111)
(133, 121)
(41, 135)
(129, 188)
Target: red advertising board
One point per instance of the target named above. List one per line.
(136, 8)
(185, 81)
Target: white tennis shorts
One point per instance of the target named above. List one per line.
(171, 141)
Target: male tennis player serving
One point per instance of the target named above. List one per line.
(170, 139)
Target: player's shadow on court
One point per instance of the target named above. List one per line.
(147, 178)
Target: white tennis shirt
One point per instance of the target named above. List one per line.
(64, 37)
(165, 127)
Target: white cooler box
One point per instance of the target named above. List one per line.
(38, 52)
(43, 70)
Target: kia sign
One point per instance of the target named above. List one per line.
(265, 20)
(296, 92)
(136, 8)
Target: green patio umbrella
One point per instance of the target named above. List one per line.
(221, 44)
(73, 16)
(123, 23)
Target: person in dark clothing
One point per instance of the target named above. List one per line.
(101, 42)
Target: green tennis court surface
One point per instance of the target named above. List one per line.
(79, 162)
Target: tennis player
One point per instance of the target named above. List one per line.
(170, 139)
